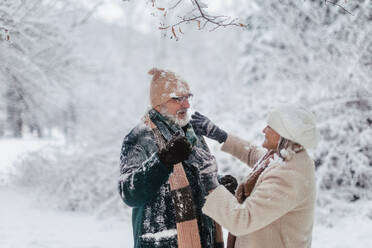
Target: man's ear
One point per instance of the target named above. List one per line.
(157, 108)
(161, 108)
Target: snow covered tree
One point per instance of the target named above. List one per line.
(38, 63)
(319, 54)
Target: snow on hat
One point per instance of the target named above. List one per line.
(295, 123)
(165, 85)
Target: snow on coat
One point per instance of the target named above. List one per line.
(144, 186)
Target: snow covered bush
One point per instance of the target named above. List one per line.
(318, 54)
(78, 177)
(344, 155)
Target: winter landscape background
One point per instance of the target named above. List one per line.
(73, 82)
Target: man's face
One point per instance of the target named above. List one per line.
(271, 138)
(176, 109)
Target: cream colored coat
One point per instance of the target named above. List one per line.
(279, 212)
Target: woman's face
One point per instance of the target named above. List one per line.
(271, 138)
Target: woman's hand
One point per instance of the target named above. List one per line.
(203, 126)
(229, 182)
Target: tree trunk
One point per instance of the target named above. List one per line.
(14, 112)
(70, 121)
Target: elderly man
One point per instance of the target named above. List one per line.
(166, 172)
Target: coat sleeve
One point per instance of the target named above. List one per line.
(278, 193)
(141, 176)
(243, 150)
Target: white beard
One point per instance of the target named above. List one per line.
(180, 122)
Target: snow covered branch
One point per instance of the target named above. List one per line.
(194, 13)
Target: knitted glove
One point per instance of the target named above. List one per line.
(229, 182)
(207, 166)
(203, 126)
(176, 150)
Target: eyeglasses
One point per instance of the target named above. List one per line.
(182, 99)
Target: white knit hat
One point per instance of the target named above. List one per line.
(295, 123)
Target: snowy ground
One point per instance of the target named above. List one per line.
(26, 224)
(352, 231)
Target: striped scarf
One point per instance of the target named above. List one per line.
(186, 222)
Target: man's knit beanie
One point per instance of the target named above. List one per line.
(166, 85)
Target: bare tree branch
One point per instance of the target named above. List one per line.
(338, 5)
(174, 6)
(197, 15)
(88, 15)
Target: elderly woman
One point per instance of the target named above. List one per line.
(274, 207)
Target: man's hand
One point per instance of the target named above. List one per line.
(203, 126)
(176, 150)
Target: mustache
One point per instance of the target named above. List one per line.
(181, 111)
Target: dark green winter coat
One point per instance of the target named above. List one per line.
(144, 186)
